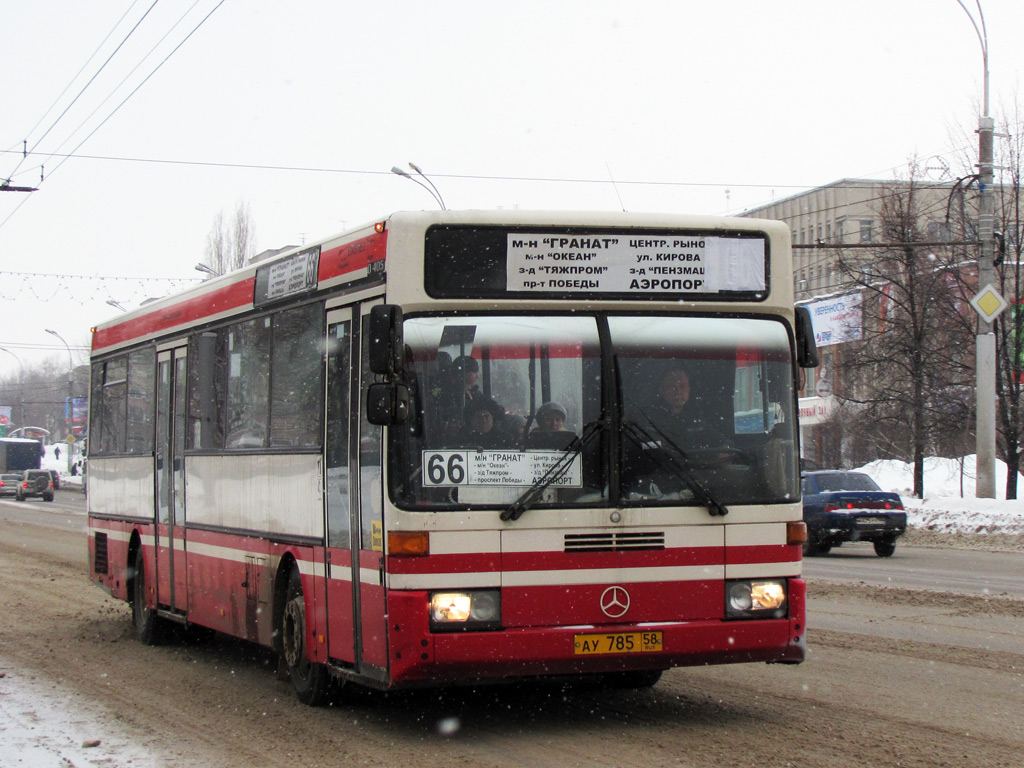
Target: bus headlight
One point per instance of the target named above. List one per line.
(762, 599)
(467, 609)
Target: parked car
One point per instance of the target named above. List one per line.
(36, 482)
(9, 484)
(849, 506)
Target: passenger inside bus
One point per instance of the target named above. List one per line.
(682, 423)
(458, 391)
(483, 426)
(513, 426)
(676, 435)
(550, 433)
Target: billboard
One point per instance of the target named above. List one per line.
(837, 319)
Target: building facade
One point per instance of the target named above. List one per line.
(841, 223)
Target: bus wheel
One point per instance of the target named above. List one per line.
(147, 623)
(309, 679)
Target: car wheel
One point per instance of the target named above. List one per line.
(147, 623)
(41, 484)
(47, 497)
(309, 679)
(885, 547)
(19, 497)
(814, 548)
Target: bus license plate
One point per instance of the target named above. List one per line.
(617, 642)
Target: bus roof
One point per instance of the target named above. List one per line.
(355, 258)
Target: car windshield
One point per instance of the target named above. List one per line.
(578, 410)
(845, 481)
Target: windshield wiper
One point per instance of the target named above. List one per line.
(673, 462)
(554, 472)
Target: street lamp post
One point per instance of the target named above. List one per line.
(71, 393)
(985, 343)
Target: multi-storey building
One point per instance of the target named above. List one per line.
(847, 212)
(845, 217)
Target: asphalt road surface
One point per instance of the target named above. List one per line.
(946, 570)
(895, 676)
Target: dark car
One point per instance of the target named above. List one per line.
(9, 485)
(36, 482)
(849, 506)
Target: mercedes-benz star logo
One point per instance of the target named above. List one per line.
(614, 602)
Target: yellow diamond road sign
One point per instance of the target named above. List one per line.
(988, 303)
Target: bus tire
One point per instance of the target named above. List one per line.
(309, 679)
(147, 623)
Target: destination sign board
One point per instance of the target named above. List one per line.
(290, 276)
(465, 261)
(496, 468)
(625, 263)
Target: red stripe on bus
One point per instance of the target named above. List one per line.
(189, 311)
(487, 562)
(353, 256)
(347, 258)
(767, 553)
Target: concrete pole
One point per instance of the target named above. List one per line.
(985, 343)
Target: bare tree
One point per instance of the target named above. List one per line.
(909, 376)
(230, 244)
(1009, 327)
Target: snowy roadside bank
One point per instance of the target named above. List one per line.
(948, 515)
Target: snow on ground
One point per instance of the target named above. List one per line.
(42, 726)
(56, 458)
(949, 504)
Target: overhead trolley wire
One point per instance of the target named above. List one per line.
(85, 87)
(65, 157)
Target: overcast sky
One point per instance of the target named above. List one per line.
(299, 109)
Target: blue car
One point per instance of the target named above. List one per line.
(849, 506)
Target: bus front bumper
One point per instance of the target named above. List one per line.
(419, 656)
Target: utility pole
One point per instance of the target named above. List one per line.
(986, 340)
(985, 343)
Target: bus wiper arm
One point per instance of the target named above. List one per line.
(554, 472)
(673, 461)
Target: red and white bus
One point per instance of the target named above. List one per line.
(441, 449)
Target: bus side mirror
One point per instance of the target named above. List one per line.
(387, 404)
(387, 345)
(806, 349)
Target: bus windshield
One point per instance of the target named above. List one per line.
(595, 410)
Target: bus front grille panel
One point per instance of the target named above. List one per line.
(616, 541)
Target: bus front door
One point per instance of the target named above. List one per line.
(170, 480)
(355, 589)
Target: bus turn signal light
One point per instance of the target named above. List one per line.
(415, 543)
(796, 533)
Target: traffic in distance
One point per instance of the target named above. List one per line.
(842, 506)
